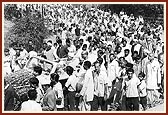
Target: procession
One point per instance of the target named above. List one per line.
(94, 60)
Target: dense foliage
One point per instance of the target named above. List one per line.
(26, 27)
(146, 10)
(10, 11)
(150, 12)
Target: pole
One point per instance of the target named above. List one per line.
(42, 11)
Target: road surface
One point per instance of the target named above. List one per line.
(157, 108)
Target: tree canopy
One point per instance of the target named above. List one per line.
(26, 27)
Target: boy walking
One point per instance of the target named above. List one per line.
(132, 96)
(142, 91)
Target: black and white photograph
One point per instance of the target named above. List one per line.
(80, 57)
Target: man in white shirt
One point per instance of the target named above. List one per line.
(7, 62)
(142, 91)
(12, 52)
(24, 54)
(71, 49)
(113, 68)
(100, 88)
(87, 90)
(50, 51)
(59, 91)
(17, 61)
(132, 96)
(71, 87)
(31, 104)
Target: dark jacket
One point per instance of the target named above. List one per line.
(10, 95)
(62, 51)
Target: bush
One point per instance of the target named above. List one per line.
(27, 27)
(9, 11)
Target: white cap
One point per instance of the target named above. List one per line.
(48, 43)
(45, 80)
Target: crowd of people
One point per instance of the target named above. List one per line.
(113, 62)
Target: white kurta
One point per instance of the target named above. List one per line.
(113, 70)
(153, 76)
(131, 86)
(88, 87)
(58, 88)
(99, 83)
(7, 65)
(30, 105)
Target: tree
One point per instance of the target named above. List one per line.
(146, 10)
(28, 27)
(9, 11)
